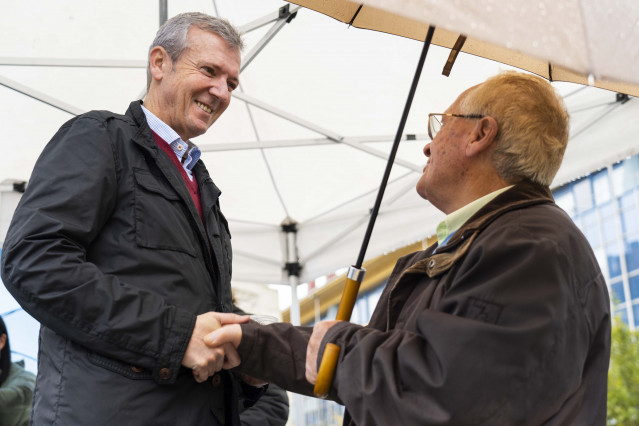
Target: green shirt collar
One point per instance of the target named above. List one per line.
(456, 219)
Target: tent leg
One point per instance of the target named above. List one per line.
(295, 304)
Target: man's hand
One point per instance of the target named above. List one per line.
(230, 335)
(205, 361)
(319, 331)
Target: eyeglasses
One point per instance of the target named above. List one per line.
(435, 121)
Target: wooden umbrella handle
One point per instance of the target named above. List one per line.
(331, 351)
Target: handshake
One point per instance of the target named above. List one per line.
(214, 342)
(208, 352)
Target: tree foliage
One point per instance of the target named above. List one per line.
(623, 376)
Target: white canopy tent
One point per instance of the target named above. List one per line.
(304, 140)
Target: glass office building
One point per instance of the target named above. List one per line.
(604, 205)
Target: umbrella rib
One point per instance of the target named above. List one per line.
(355, 15)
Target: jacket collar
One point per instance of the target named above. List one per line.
(143, 136)
(522, 195)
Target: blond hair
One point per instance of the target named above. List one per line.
(533, 125)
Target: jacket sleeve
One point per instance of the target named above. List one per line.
(71, 195)
(276, 353)
(507, 326)
(15, 396)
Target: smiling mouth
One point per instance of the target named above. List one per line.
(203, 107)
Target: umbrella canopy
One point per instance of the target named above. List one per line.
(581, 41)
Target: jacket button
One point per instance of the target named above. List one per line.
(136, 369)
(165, 374)
(431, 264)
(216, 380)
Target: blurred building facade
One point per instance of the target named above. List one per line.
(605, 206)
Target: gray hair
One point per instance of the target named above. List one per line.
(533, 125)
(173, 35)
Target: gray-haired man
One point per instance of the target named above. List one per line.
(120, 250)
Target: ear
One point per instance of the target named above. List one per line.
(159, 63)
(3, 340)
(483, 136)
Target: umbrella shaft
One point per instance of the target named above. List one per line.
(393, 153)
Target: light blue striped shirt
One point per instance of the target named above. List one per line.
(187, 153)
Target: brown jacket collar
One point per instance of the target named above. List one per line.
(523, 194)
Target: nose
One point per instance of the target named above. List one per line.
(220, 90)
(427, 149)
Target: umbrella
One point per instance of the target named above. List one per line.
(581, 41)
(563, 41)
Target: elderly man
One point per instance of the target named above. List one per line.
(120, 250)
(504, 321)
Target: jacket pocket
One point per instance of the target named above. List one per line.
(129, 371)
(161, 217)
(481, 310)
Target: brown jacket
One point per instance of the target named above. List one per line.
(507, 324)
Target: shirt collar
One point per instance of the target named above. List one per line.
(187, 152)
(456, 219)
